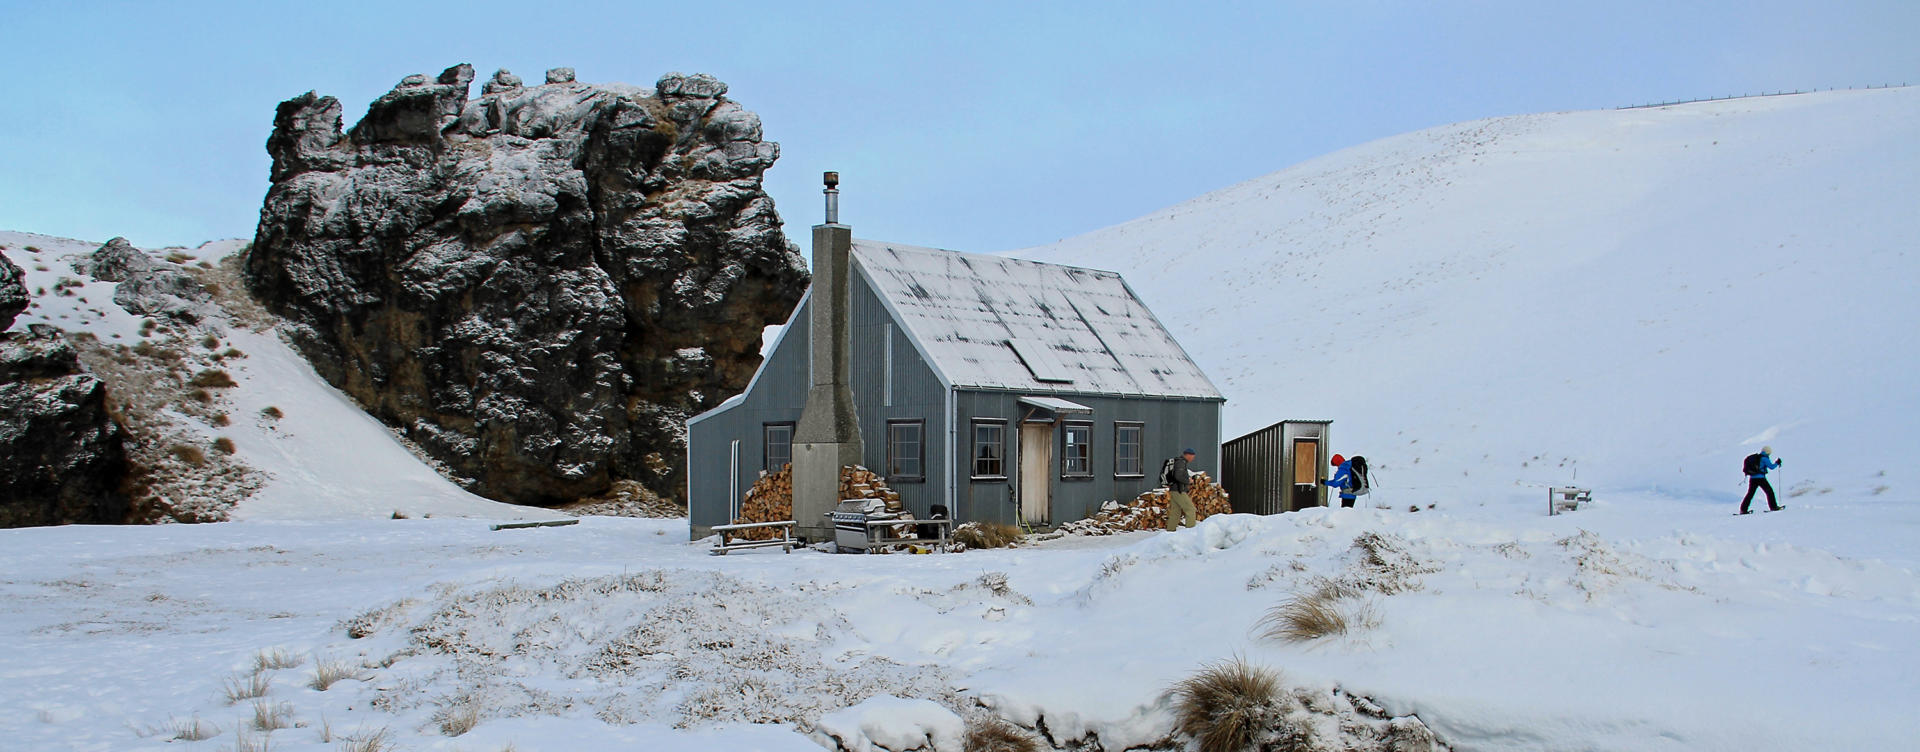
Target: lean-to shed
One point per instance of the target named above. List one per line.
(1001, 389)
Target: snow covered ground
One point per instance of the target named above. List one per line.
(1641, 622)
(1482, 307)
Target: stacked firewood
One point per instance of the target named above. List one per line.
(1149, 511)
(771, 498)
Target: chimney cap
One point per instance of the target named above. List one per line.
(832, 179)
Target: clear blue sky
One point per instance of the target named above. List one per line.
(976, 126)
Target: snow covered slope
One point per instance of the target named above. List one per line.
(1639, 296)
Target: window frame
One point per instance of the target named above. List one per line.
(766, 445)
(1140, 448)
(1067, 428)
(973, 449)
(920, 456)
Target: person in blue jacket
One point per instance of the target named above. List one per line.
(1342, 479)
(1757, 480)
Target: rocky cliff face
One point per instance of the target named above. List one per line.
(63, 456)
(538, 285)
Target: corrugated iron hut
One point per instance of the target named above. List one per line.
(1277, 468)
(1001, 389)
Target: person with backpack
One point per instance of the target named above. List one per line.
(1756, 467)
(1177, 478)
(1351, 479)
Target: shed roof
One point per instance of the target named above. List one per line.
(994, 322)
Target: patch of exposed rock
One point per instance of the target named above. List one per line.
(13, 292)
(538, 286)
(146, 287)
(64, 458)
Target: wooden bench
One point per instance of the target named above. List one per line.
(786, 542)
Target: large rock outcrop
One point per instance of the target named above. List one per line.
(13, 292)
(538, 285)
(64, 457)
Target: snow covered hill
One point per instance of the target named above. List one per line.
(1641, 297)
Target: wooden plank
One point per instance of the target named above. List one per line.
(547, 523)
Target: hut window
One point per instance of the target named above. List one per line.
(1126, 449)
(779, 446)
(1077, 460)
(990, 449)
(905, 450)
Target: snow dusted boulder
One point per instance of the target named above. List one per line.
(113, 262)
(146, 287)
(13, 292)
(892, 724)
(61, 454)
(538, 285)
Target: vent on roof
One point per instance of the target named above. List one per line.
(1040, 361)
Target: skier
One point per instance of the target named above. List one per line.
(1756, 467)
(1343, 479)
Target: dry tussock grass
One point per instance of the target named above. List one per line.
(272, 716)
(1226, 704)
(242, 688)
(275, 660)
(458, 718)
(379, 740)
(987, 733)
(987, 535)
(192, 730)
(329, 673)
(1327, 608)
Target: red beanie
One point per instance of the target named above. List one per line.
(1339, 460)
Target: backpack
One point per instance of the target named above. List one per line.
(1753, 464)
(1358, 483)
(1166, 473)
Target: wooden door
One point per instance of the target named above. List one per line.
(1036, 471)
(1306, 473)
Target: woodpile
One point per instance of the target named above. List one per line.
(771, 498)
(1149, 511)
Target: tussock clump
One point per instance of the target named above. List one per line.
(271, 413)
(1227, 705)
(192, 455)
(379, 740)
(1313, 615)
(242, 688)
(192, 730)
(988, 535)
(272, 716)
(223, 445)
(328, 673)
(459, 717)
(986, 733)
(213, 378)
(275, 660)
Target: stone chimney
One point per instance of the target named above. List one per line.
(828, 436)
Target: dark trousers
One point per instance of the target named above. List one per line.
(1758, 484)
(1347, 502)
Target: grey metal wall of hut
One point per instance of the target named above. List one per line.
(1277, 468)
(890, 383)
(1166, 425)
